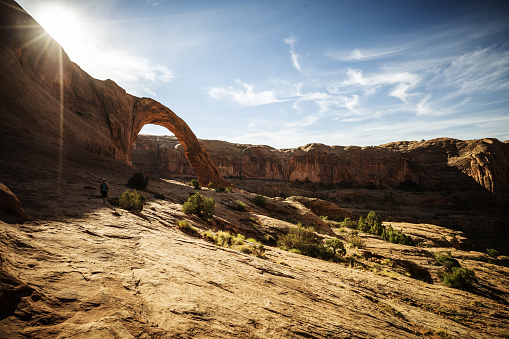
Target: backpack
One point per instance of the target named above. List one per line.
(104, 187)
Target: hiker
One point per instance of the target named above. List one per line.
(104, 191)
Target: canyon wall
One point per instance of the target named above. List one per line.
(438, 164)
(48, 98)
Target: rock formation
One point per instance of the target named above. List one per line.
(10, 203)
(438, 164)
(48, 98)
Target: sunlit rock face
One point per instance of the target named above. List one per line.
(47, 97)
(439, 164)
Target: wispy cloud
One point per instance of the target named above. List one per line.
(244, 94)
(364, 54)
(296, 58)
(420, 86)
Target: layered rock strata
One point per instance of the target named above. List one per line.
(438, 164)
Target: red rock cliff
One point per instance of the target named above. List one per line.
(439, 164)
(48, 98)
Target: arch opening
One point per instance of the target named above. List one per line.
(150, 112)
(156, 150)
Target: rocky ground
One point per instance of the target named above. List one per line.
(82, 269)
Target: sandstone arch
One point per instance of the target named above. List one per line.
(148, 111)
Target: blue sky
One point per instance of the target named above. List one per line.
(286, 73)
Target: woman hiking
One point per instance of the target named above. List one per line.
(104, 190)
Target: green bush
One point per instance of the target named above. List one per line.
(269, 239)
(138, 180)
(199, 206)
(460, 278)
(445, 259)
(336, 245)
(239, 206)
(184, 226)
(225, 239)
(354, 239)
(195, 184)
(362, 225)
(303, 240)
(300, 238)
(394, 236)
(221, 189)
(492, 252)
(209, 207)
(348, 222)
(260, 201)
(131, 201)
(372, 224)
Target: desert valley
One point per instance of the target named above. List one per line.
(403, 240)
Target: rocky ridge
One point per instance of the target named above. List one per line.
(436, 164)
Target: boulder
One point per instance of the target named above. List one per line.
(10, 203)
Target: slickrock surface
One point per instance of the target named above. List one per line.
(85, 270)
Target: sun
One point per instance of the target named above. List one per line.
(64, 25)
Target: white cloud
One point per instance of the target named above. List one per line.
(364, 55)
(150, 92)
(296, 58)
(244, 94)
(121, 66)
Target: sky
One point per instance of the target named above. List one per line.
(286, 73)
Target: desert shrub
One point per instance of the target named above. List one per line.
(239, 206)
(221, 189)
(373, 219)
(336, 245)
(208, 235)
(138, 180)
(258, 250)
(394, 236)
(362, 225)
(225, 239)
(229, 189)
(354, 239)
(184, 226)
(294, 250)
(348, 222)
(131, 201)
(301, 238)
(492, 252)
(211, 185)
(372, 224)
(195, 184)
(268, 239)
(305, 241)
(159, 196)
(199, 206)
(445, 259)
(460, 278)
(259, 200)
(209, 207)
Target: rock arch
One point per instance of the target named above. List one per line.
(148, 111)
